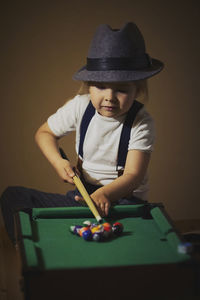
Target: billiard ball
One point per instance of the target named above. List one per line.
(75, 229)
(117, 228)
(87, 223)
(94, 229)
(107, 231)
(118, 223)
(100, 228)
(107, 226)
(82, 230)
(185, 248)
(93, 225)
(106, 234)
(97, 236)
(72, 228)
(87, 235)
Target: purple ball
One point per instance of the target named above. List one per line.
(77, 228)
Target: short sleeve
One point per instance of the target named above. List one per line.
(67, 117)
(143, 132)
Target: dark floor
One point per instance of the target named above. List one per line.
(9, 269)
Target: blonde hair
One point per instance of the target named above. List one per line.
(142, 86)
(143, 94)
(84, 88)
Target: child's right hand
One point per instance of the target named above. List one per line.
(48, 143)
(65, 170)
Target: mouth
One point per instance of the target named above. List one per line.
(109, 108)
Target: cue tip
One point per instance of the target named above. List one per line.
(99, 219)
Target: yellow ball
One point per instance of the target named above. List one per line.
(94, 229)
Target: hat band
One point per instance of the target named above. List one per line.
(118, 63)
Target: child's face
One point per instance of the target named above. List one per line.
(112, 99)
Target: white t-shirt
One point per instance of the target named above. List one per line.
(101, 142)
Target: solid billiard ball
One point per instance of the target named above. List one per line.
(107, 226)
(87, 235)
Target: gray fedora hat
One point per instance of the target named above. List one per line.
(118, 55)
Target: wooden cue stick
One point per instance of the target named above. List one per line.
(87, 198)
(83, 191)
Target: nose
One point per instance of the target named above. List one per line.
(109, 94)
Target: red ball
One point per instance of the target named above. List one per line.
(107, 226)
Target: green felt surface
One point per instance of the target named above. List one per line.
(144, 241)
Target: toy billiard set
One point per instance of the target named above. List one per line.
(141, 260)
(97, 232)
(56, 263)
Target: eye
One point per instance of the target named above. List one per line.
(122, 91)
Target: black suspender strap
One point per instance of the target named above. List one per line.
(125, 134)
(126, 131)
(88, 114)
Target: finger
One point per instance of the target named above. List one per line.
(78, 198)
(68, 175)
(107, 206)
(77, 171)
(69, 172)
(68, 179)
(102, 208)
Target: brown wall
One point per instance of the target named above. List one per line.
(45, 42)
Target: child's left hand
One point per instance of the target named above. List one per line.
(102, 202)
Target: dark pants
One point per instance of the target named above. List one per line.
(18, 198)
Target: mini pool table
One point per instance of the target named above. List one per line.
(142, 262)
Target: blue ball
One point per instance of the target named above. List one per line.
(87, 235)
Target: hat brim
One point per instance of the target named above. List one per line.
(119, 75)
